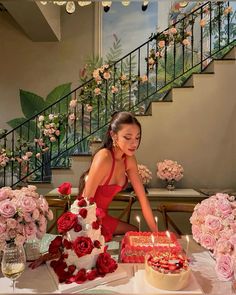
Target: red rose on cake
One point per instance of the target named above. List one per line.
(55, 245)
(105, 264)
(66, 222)
(83, 246)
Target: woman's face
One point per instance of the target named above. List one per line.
(128, 138)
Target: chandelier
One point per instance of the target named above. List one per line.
(71, 5)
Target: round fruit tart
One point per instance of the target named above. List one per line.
(167, 271)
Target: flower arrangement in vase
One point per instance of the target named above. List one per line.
(170, 171)
(214, 227)
(23, 215)
(145, 174)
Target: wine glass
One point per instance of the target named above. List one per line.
(13, 262)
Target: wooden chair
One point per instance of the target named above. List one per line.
(125, 200)
(166, 208)
(57, 204)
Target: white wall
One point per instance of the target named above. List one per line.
(40, 66)
(197, 129)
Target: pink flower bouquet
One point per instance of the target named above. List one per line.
(214, 227)
(169, 170)
(23, 215)
(144, 173)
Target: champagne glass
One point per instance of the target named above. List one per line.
(13, 262)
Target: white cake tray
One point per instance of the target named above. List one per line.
(120, 273)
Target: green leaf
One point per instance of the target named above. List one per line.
(57, 93)
(31, 103)
(28, 131)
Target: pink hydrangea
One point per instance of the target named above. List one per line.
(144, 173)
(169, 170)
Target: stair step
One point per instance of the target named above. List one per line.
(81, 155)
(225, 59)
(60, 168)
(38, 181)
(186, 86)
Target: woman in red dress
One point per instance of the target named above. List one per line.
(112, 165)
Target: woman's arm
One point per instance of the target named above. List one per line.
(132, 171)
(98, 173)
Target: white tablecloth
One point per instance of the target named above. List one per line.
(40, 280)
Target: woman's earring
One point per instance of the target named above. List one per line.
(114, 143)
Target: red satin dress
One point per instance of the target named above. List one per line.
(103, 197)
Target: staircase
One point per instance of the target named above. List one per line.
(171, 78)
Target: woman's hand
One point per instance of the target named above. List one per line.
(37, 262)
(42, 259)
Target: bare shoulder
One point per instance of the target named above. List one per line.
(103, 157)
(131, 162)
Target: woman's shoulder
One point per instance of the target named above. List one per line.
(131, 161)
(103, 155)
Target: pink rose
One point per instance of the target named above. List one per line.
(204, 210)
(11, 223)
(27, 217)
(3, 195)
(43, 205)
(224, 267)
(30, 229)
(232, 240)
(213, 223)
(20, 228)
(42, 223)
(196, 233)
(32, 188)
(7, 209)
(35, 214)
(11, 233)
(2, 228)
(224, 207)
(223, 246)
(50, 215)
(27, 204)
(208, 241)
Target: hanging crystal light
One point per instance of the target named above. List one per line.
(60, 3)
(125, 3)
(145, 5)
(106, 3)
(84, 3)
(70, 7)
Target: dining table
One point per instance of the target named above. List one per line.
(129, 278)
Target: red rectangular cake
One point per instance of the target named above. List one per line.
(135, 245)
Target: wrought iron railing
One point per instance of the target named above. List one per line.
(46, 140)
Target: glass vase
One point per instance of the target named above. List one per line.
(170, 184)
(32, 249)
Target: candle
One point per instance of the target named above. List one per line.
(153, 242)
(153, 239)
(168, 236)
(156, 219)
(187, 247)
(139, 223)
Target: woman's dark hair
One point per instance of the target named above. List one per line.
(118, 119)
